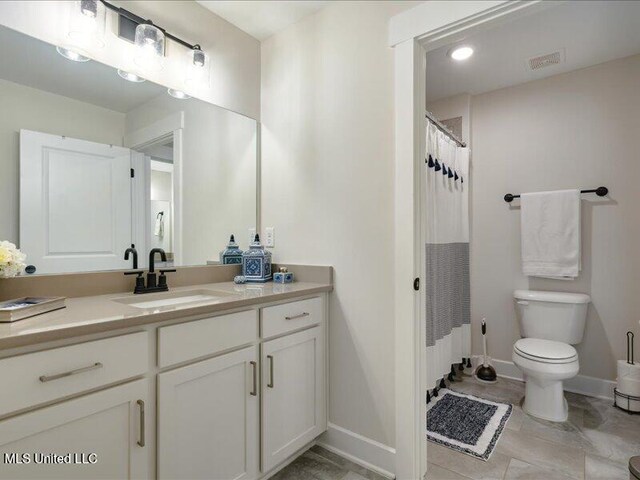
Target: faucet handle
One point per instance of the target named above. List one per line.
(168, 270)
(162, 279)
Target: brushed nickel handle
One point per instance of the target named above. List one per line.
(270, 358)
(48, 378)
(254, 367)
(141, 441)
(301, 315)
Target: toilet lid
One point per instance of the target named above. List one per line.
(546, 351)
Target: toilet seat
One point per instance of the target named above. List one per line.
(545, 351)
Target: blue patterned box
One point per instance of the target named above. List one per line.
(232, 255)
(283, 277)
(256, 262)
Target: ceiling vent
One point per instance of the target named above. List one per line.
(542, 61)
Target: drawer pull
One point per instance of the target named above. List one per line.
(141, 441)
(270, 358)
(254, 367)
(48, 378)
(302, 315)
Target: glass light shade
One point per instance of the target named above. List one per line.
(149, 47)
(197, 71)
(461, 53)
(86, 27)
(71, 55)
(179, 94)
(131, 77)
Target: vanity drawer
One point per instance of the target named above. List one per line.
(287, 317)
(199, 338)
(40, 377)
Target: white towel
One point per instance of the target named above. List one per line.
(550, 229)
(158, 229)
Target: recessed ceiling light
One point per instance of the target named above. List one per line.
(179, 94)
(71, 55)
(461, 53)
(131, 77)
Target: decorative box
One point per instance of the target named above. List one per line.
(283, 276)
(232, 255)
(256, 262)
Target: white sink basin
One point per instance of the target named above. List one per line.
(171, 299)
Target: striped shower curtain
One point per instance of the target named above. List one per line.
(445, 230)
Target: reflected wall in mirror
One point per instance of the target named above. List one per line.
(93, 164)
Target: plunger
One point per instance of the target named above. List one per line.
(485, 372)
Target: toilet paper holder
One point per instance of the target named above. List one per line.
(623, 401)
(620, 399)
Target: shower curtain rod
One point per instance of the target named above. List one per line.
(444, 129)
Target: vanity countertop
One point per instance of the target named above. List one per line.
(103, 313)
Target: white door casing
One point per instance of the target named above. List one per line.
(75, 203)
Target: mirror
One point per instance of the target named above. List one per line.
(93, 164)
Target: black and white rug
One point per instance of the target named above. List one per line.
(466, 423)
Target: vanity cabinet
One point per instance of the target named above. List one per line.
(112, 424)
(208, 419)
(293, 388)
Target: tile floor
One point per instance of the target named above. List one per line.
(594, 444)
(321, 464)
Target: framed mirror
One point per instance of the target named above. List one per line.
(95, 161)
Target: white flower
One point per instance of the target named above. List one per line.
(11, 260)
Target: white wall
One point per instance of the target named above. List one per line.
(219, 173)
(327, 187)
(235, 55)
(453, 107)
(31, 109)
(576, 130)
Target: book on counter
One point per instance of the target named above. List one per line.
(26, 307)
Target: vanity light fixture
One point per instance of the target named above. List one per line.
(179, 94)
(461, 52)
(131, 77)
(84, 30)
(149, 46)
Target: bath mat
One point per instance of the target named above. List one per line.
(466, 423)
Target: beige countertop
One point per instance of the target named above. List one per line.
(103, 313)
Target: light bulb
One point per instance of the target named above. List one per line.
(461, 53)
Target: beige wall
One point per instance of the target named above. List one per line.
(576, 130)
(327, 187)
(31, 109)
(235, 55)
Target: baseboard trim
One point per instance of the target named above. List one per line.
(365, 452)
(582, 384)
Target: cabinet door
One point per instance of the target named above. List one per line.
(293, 402)
(109, 424)
(208, 419)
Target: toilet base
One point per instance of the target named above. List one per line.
(546, 401)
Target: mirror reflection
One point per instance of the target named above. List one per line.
(94, 163)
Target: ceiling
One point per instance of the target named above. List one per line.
(31, 62)
(586, 32)
(260, 18)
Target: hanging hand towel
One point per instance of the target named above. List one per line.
(158, 229)
(550, 230)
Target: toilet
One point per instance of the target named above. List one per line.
(550, 323)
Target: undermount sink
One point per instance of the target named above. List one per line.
(172, 299)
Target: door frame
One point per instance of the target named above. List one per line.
(412, 34)
(171, 125)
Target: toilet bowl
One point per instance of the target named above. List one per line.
(545, 365)
(550, 322)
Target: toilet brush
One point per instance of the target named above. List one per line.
(485, 372)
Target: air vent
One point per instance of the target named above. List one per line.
(543, 61)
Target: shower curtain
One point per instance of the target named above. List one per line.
(445, 230)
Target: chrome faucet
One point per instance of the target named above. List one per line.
(154, 283)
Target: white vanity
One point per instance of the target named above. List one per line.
(230, 394)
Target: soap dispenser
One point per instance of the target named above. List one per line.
(232, 255)
(256, 262)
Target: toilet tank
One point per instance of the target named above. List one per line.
(552, 315)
